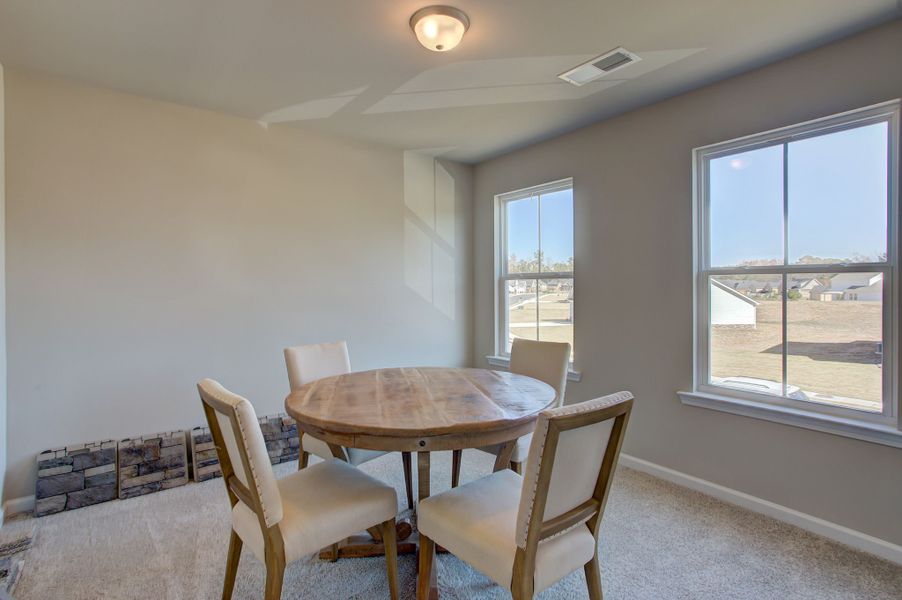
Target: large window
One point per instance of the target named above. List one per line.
(536, 265)
(797, 304)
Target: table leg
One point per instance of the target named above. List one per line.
(422, 475)
(456, 457)
(503, 459)
(423, 492)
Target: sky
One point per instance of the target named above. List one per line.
(837, 199)
(557, 226)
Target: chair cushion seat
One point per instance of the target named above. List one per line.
(322, 504)
(521, 449)
(356, 456)
(477, 522)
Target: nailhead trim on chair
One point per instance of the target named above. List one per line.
(531, 477)
(266, 517)
(247, 451)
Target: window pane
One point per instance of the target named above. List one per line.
(557, 231)
(523, 235)
(746, 208)
(556, 311)
(746, 350)
(522, 317)
(838, 197)
(834, 329)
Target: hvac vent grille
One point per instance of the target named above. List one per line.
(600, 66)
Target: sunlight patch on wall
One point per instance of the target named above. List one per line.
(429, 231)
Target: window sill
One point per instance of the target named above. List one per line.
(868, 432)
(504, 362)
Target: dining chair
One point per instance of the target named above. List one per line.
(528, 532)
(282, 520)
(316, 361)
(545, 361)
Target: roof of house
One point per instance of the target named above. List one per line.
(736, 293)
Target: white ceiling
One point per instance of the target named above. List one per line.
(353, 67)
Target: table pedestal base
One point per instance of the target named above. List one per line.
(365, 545)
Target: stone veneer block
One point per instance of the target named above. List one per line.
(75, 476)
(152, 463)
(203, 455)
(281, 435)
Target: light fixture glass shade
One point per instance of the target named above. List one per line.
(439, 28)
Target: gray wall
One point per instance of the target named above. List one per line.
(3, 433)
(632, 189)
(151, 245)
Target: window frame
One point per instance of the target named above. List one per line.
(881, 427)
(502, 276)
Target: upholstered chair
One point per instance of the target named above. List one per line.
(545, 361)
(282, 520)
(528, 532)
(316, 361)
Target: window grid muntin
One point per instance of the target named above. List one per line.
(888, 113)
(503, 330)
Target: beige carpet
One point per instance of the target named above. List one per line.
(659, 541)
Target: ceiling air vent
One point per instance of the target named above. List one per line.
(600, 66)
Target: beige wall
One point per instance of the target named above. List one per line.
(151, 245)
(632, 186)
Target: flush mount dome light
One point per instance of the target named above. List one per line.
(439, 28)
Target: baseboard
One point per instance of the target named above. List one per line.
(17, 505)
(838, 533)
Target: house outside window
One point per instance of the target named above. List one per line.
(796, 271)
(535, 265)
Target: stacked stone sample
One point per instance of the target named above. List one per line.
(152, 463)
(281, 435)
(85, 474)
(75, 476)
(203, 455)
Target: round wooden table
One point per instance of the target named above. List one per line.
(421, 409)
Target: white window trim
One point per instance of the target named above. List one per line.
(501, 358)
(885, 428)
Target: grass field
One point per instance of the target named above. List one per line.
(833, 350)
(833, 346)
(554, 318)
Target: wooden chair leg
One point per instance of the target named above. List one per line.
(275, 573)
(593, 579)
(456, 455)
(517, 467)
(232, 559)
(333, 552)
(303, 459)
(424, 576)
(522, 589)
(390, 543)
(408, 477)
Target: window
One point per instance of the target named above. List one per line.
(535, 282)
(796, 268)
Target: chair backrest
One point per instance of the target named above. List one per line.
(568, 473)
(241, 449)
(545, 361)
(315, 361)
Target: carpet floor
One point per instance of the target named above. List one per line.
(658, 541)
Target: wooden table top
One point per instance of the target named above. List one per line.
(419, 408)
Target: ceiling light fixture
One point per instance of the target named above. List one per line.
(439, 28)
